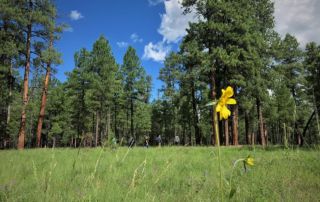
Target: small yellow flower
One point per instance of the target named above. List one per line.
(225, 100)
(249, 161)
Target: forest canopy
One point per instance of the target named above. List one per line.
(276, 82)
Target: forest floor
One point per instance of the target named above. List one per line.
(159, 174)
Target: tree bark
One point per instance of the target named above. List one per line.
(97, 129)
(10, 86)
(260, 118)
(265, 133)
(299, 136)
(213, 96)
(116, 121)
(226, 132)
(44, 97)
(131, 118)
(247, 127)
(22, 130)
(108, 126)
(253, 139)
(235, 135)
(195, 116)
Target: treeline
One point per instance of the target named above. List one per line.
(233, 44)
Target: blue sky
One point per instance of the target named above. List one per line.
(122, 22)
(155, 27)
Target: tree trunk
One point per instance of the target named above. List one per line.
(213, 97)
(226, 132)
(108, 126)
(22, 130)
(235, 135)
(127, 123)
(97, 129)
(10, 86)
(253, 139)
(195, 116)
(131, 120)
(260, 118)
(299, 136)
(191, 134)
(44, 97)
(265, 133)
(54, 142)
(247, 127)
(115, 121)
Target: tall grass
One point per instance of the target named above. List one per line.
(157, 174)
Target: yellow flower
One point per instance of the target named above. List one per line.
(249, 161)
(225, 100)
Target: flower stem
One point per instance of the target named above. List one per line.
(234, 166)
(216, 127)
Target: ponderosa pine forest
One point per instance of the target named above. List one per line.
(276, 82)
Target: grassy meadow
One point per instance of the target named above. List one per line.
(158, 174)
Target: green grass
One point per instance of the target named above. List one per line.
(157, 174)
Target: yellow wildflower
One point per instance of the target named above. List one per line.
(249, 161)
(225, 100)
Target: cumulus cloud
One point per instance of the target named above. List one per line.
(299, 18)
(173, 22)
(122, 44)
(75, 15)
(156, 52)
(135, 38)
(172, 28)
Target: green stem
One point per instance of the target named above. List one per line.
(234, 166)
(216, 127)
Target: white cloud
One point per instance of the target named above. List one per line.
(135, 38)
(172, 28)
(156, 52)
(122, 44)
(75, 15)
(173, 22)
(299, 18)
(155, 2)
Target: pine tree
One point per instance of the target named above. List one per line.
(77, 87)
(50, 57)
(35, 14)
(104, 82)
(11, 41)
(135, 84)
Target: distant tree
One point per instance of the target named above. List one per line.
(136, 84)
(76, 89)
(103, 84)
(58, 119)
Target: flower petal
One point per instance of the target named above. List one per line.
(218, 108)
(223, 92)
(249, 161)
(224, 113)
(231, 101)
(229, 91)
